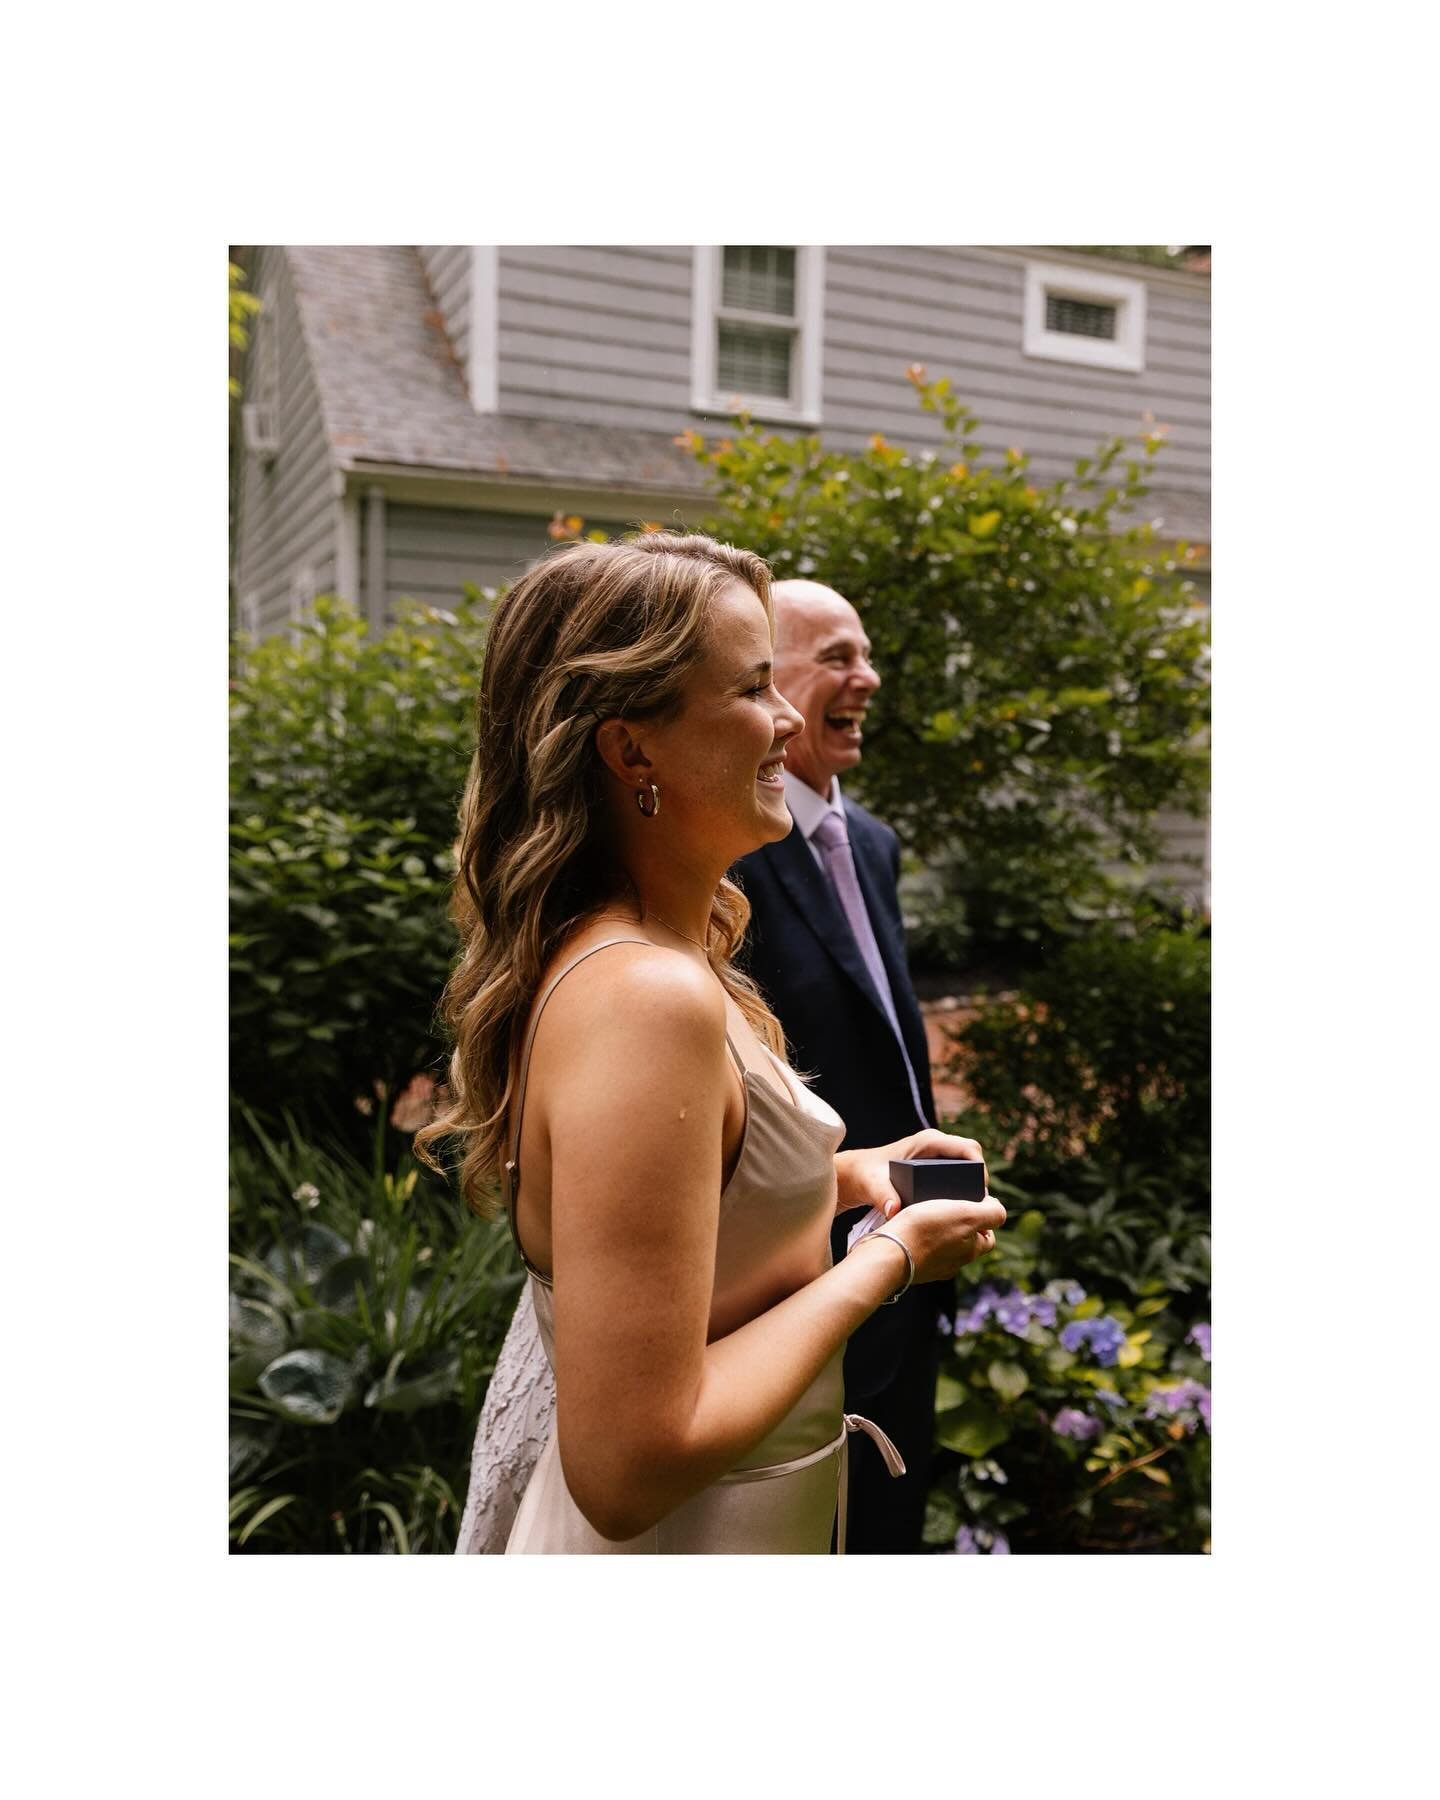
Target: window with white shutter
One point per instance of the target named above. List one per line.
(755, 343)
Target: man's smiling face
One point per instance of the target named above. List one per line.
(822, 667)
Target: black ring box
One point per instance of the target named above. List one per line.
(938, 1178)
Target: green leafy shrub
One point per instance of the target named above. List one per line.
(1092, 1091)
(366, 1312)
(1092, 1098)
(1068, 1424)
(348, 754)
(1104, 1054)
(1044, 691)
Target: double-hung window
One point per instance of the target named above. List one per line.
(756, 333)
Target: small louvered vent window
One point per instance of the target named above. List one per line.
(759, 278)
(754, 360)
(1080, 318)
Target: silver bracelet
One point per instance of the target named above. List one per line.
(910, 1261)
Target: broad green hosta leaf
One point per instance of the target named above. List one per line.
(258, 1334)
(246, 1366)
(250, 1444)
(310, 1386)
(316, 1250)
(406, 1390)
(1008, 1379)
(336, 1287)
(974, 1429)
(256, 1326)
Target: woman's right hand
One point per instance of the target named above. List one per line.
(943, 1236)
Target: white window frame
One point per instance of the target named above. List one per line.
(1126, 350)
(803, 408)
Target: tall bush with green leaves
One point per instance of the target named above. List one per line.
(1091, 1093)
(367, 1308)
(1043, 690)
(348, 754)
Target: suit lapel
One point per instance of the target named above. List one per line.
(816, 902)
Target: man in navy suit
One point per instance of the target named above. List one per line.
(839, 986)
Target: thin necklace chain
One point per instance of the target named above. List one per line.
(678, 932)
(666, 923)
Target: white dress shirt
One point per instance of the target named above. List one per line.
(807, 809)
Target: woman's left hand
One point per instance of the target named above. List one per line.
(862, 1177)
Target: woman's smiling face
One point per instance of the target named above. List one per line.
(718, 763)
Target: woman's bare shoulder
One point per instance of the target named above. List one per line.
(633, 987)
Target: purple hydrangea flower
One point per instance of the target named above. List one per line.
(1072, 1423)
(1184, 1396)
(943, 1325)
(1109, 1396)
(1105, 1337)
(1013, 1312)
(1042, 1310)
(1107, 1340)
(1068, 1293)
(1200, 1335)
(980, 1542)
(983, 1302)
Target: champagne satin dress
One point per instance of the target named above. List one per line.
(773, 1237)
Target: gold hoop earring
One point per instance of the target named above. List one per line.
(649, 811)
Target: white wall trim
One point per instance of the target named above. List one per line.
(375, 570)
(347, 549)
(1126, 350)
(808, 365)
(484, 370)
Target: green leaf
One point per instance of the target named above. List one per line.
(250, 1444)
(974, 1429)
(418, 1389)
(1008, 1379)
(312, 1387)
(949, 1393)
(397, 1524)
(267, 1511)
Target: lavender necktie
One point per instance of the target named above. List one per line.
(833, 841)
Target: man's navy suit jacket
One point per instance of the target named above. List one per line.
(803, 954)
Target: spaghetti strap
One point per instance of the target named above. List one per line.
(510, 1168)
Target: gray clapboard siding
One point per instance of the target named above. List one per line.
(1185, 860)
(285, 512)
(432, 551)
(447, 269)
(960, 313)
(600, 335)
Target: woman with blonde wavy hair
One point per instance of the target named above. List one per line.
(670, 1181)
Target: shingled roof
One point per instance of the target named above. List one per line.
(393, 393)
